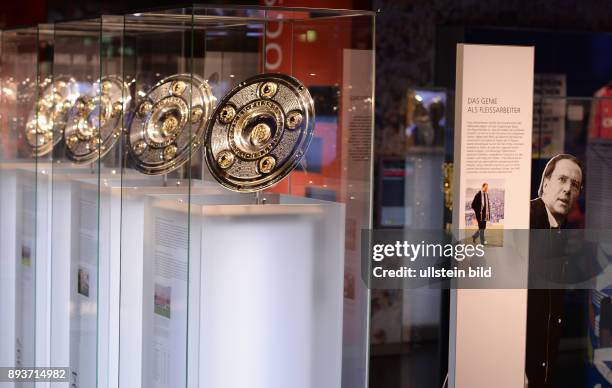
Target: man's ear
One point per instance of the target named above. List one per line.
(545, 184)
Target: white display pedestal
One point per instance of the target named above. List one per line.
(24, 299)
(86, 273)
(139, 243)
(74, 275)
(43, 268)
(88, 226)
(256, 285)
(263, 282)
(122, 208)
(271, 294)
(9, 194)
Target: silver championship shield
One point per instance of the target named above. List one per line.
(259, 132)
(169, 120)
(46, 121)
(94, 122)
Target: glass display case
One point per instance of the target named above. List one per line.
(192, 183)
(236, 229)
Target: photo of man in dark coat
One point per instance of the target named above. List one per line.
(482, 209)
(560, 187)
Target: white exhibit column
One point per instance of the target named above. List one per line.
(159, 283)
(74, 277)
(8, 263)
(271, 295)
(43, 267)
(61, 284)
(493, 127)
(19, 266)
(262, 284)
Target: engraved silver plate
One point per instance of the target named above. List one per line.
(259, 132)
(46, 122)
(95, 121)
(169, 120)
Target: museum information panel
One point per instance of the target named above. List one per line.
(494, 116)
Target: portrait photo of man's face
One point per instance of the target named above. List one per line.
(561, 190)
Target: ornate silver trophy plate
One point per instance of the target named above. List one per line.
(95, 121)
(169, 123)
(259, 132)
(46, 122)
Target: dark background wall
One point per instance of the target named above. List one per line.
(407, 32)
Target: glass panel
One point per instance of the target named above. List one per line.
(18, 256)
(156, 169)
(43, 205)
(597, 208)
(71, 97)
(408, 330)
(115, 104)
